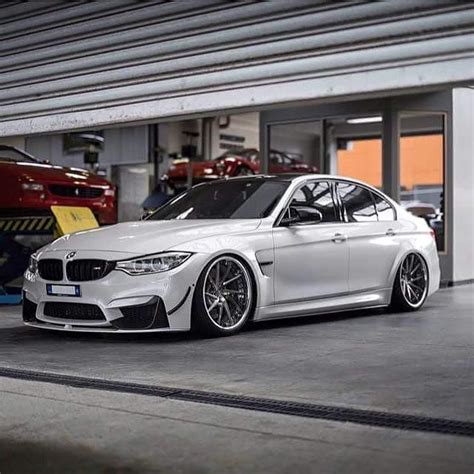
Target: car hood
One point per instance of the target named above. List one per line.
(45, 173)
(146, 237)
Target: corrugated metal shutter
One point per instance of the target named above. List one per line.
(76, 64)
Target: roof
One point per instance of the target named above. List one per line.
(301, 177)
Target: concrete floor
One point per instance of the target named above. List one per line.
(418, 363)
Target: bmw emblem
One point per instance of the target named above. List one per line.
(70, 255)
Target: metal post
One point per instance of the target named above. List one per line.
(391, 152)
(264, 147)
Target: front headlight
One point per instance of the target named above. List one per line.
(161, 262)
(32, 187)
(33, 265)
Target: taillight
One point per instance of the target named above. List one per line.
(432, 232)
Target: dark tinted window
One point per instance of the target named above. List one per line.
(385, 211)
(317, 195)
(233, 199)
(358, 203)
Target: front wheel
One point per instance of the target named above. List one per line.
(224, 297)
(410, 288)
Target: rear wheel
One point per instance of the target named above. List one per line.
(224, 297)
(410, 288)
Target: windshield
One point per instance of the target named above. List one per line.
(234, 199)
(11, 154)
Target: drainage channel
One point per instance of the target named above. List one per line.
(307, 410)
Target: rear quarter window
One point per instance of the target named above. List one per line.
(385, 211)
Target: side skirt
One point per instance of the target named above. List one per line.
(370, 299)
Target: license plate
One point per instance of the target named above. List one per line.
(63, 290)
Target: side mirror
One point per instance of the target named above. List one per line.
(301, 215)
(288, 221)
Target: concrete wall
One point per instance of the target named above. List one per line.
(462, 206)
(172, 135)
(133, 183)
(124, 145)
(19, 142)
(242, 125)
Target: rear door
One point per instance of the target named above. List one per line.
(311, 260)
(371, 228)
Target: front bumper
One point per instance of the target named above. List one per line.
(118, 302)
(151, 316)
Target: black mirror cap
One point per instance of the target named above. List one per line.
(302, 215)
(289, 221)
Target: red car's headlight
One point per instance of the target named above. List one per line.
(32, 187)
(220, 167)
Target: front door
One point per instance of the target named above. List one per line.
(311, 260)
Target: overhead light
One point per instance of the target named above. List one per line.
(373, 119)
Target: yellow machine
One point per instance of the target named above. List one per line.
(73, 219)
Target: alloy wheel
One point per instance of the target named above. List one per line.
(227, 292)
(414, 280)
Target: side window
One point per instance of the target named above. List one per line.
(385, 211)
(358, 202)
(317, 195)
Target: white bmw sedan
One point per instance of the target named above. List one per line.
(250, 248)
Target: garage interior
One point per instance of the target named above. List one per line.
(152, 96)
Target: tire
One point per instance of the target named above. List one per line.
(224, 298)
(243, 171)
(410, 287)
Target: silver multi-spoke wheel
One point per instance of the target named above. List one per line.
(227, 292)
(414, 280)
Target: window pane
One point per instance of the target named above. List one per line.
(358, 203)
(355, 147)
(361, 159)
(422, 169)
(385, 211)
(317, 195)
(295, 148)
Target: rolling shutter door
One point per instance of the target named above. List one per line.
(66, 65)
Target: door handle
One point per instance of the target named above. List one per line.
(390, 232)
(338, 238)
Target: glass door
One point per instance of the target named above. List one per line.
(422, 169)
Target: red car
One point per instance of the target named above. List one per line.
(29, 187)
(234, 163)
